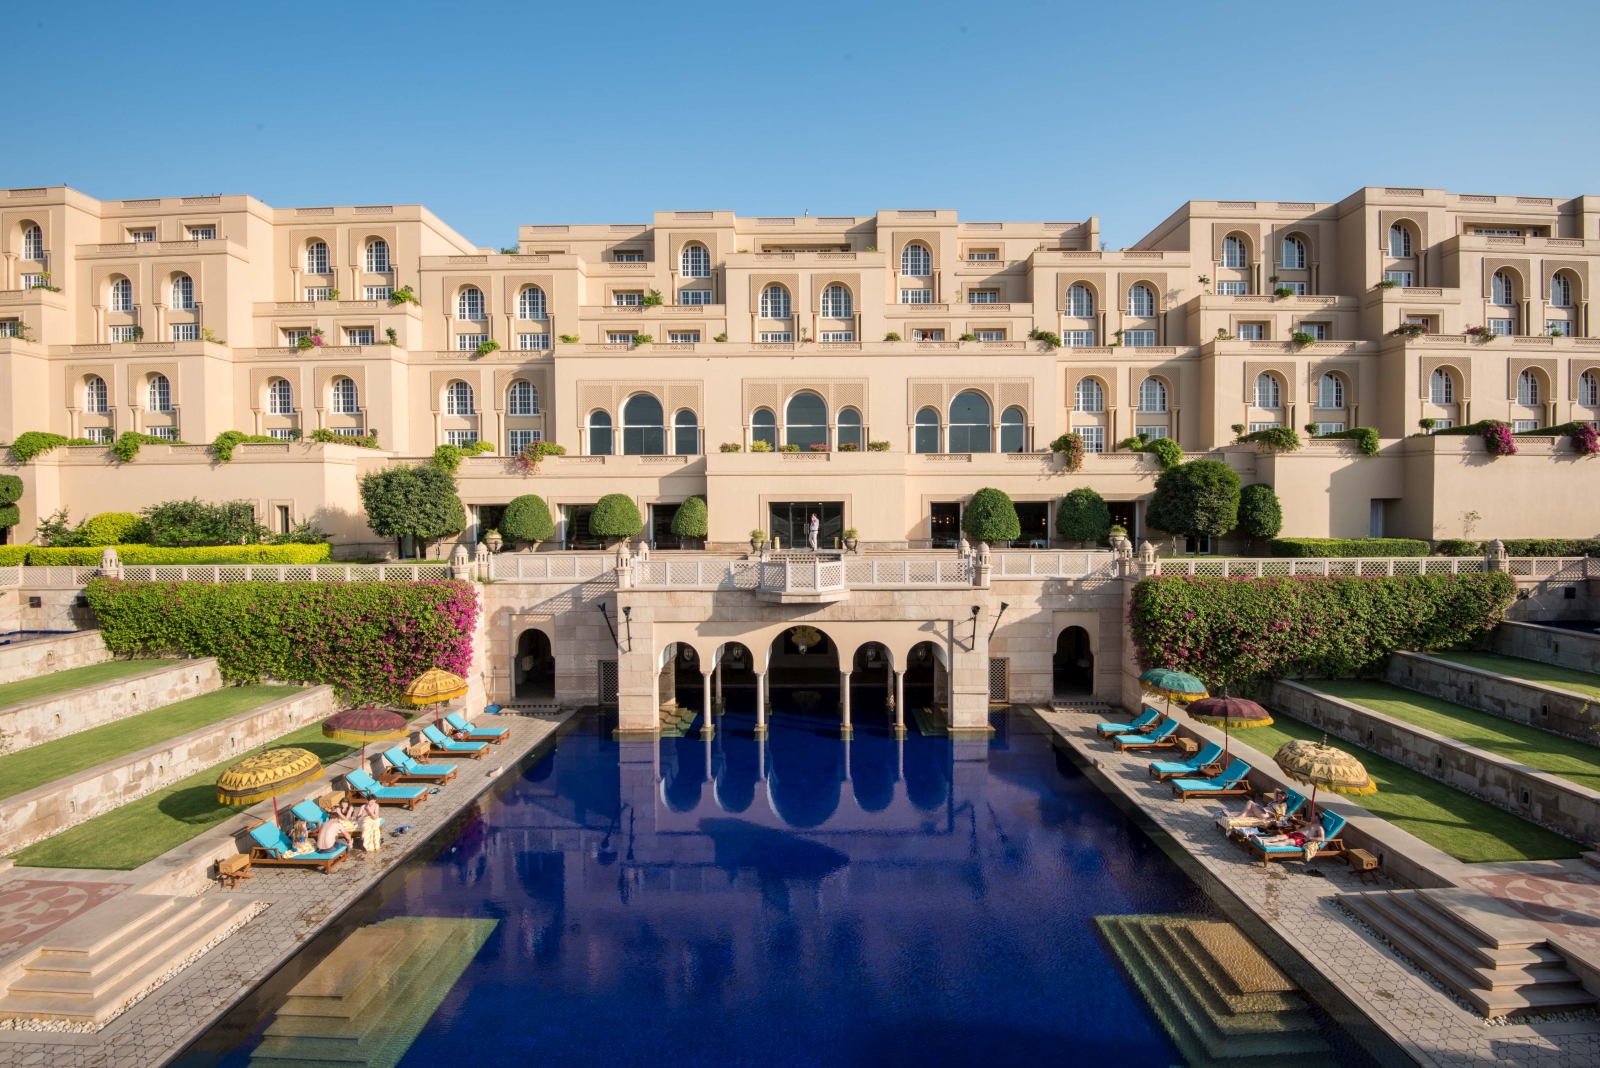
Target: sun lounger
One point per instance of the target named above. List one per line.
(495, 735)
(408, 770)
(1207, 759)
(274, 850)
(311, 812)
(363, 787)
(1162, 738)
(1329, 845)
(440, 742)
(1231, 783)
(1143, 723)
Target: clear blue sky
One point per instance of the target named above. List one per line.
(499, 114)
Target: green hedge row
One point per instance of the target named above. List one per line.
(36, 556)
(1234, 632)
(1318, 547)
(1524, 547)
(366, 639)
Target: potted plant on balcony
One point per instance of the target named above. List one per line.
(1410, 330)
(758, 538)
(1480, 333)
(850, 539)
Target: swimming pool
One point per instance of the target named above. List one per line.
(15, 636)
(798, 901)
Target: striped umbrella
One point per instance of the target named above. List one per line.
(268, 774)
(1225, 711)
(370, 724)
(434, 687)
(1173, 685)
(1320, 764)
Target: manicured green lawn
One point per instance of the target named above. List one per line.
(142, 830)
(39, 764)
(1566, 757)
(14, 693)
(1529, 670)
(1468, 829)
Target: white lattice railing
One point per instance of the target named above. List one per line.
(1053, 564)
(550, 567)
(425, 571)
(1375, 567)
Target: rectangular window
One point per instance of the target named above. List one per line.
(1500, 326)
(1252, 332)
(521, 439)
(186, 331)
(983, 296)
(468, 342)
(1299, 289)
(916, 296)
(202, 233)
(349, 432)
(1232, 289)
(32, 281)
(360, 335)
(1078, 339)
(991, 335)
(1139, 338)
(167, 433)
(121, 334)
(1197, 544)
(1151, 433)
(1316, 330)
(379, 292)
(1521, 426)
(838, 335)
(1263, 426)
(694, 296)
(628, 255)
(1483, 232)
(927, 335)
(10, 327)
(986, 254)
(137, 236)
(769, 337)
(1094, 437)
(628, 299)
(1422, 321)
(619, 337)
(1443, 424)
(319, 292)
(100, 435)
(533, 341)
(281, 433)
(684, 337)
(1330, 428)
(460, 437)
(1403, 277)
(1558, 328)
(291, 338)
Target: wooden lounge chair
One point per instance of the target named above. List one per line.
(440, 743)
(1329, 846)
(363, 787)
(494, 735)
(1231, 783)
(1145, 722)
(1207, 760)
(1163, 738)
(274, 850)
(407, 769)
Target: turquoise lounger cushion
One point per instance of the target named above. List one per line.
(444, 741)
(360, 780)
(1127, 728)
(1161, 735)
(459, 722)
(402, 760)
(1208, 755)
(271, 838)
(308, 811)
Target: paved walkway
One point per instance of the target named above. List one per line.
(301, 903)
(1426, 1023)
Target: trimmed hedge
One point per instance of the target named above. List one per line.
(1260, 511)
(320, 553)
(1524, 547)
(1367, 436)
(1083, 516)
(1319, 547)
(1273, 439)
(1234, 632)
(615, 516)
(114, 528)
(12, 555)
(691, 520)
(366, 639)
(990, 516)
(527, 518)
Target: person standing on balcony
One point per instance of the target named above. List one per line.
(814, 528)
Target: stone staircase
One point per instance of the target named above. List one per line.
(1089, 707)
(365, 1004)
(1495, 960)
(92, 967)
(1222, 1002)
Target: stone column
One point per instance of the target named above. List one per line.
(706, 728)
(761, 704)
(899, 704)
(846, 730)
(718, 700)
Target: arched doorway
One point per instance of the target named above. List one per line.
(872, 686)
(926, 678)
(534, 673)
(686, 676)
(1073, 663)
(803, 674)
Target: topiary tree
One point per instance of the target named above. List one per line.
(991, 517)
(418, 500)
(113, 528)
(527, 518)
(1260, 513)
(10, 493)
(1199, 498)
(1083, 516)
(691, 519)
(615, 516)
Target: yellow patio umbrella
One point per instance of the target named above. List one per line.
(434, 687)
(1318, 764)
(268, 774)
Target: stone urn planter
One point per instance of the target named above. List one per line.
(493, 540)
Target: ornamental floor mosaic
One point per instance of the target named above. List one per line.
(1431, 1027)
(301, 903)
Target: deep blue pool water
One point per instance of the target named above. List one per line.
(803, 901)
(12, 637)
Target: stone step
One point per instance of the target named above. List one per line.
(344, 982)
(1188, 985)
(1592, 858)
(102, 955)
(1466, 945)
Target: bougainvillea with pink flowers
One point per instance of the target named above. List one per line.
(365, 639)
(1497, 437)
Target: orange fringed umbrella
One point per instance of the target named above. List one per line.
(434, 687)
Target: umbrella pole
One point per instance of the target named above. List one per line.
(1225, 741)
(1313, 817)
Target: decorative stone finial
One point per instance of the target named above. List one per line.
(110, 563)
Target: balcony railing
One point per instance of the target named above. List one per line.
(1543, 567)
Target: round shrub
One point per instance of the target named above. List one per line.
(10, 489)
(615, 516)
(1083, 516)
(418, 499)
(528, 519)
(10, 515)
(691, 519)
(1260, 513)
(1200, 497)
(114, 528)
(991, 516)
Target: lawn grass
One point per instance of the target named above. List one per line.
(142, 830)
(1528, 670)
(49, 761)
(14, 693)
(1468, 829)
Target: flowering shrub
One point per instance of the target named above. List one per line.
(366, 639)
(1070, 446)
(1234, 632)
(1496, 435)
(818, 446)
(527, 461)
(1584, 438)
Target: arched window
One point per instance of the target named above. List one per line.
(1013, 430)
(850, 428)
(280, 397)
(1141, 302)
(458, 399)
(1269, 394)
(121, 295)
(1294, 254)
(158, 396)
(1330, 392)
(1502, 291)
(1589, 390)
(643, 432)
(805, 421)
(1441, 387)
(522, 398)
(96, 399)
(345, 399)
(915, 261)
(1234, 253)
(1090, 396)
(469, 304)
(1528, 388)
(1080, 302)
(695, 262)
(685, 433)
(1152, 395)
(1560, 291)
(530, 304)
(774, 303)
(969, 423)
(317, 258)
(600, 434)
(836, 303)
(764, 427)
(32, 243)
(1399, 242)
(377, 256)
(182, 293)
(927, 433)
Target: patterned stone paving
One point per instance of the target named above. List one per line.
(32, 908)
(302, 903)
(1427, 1024)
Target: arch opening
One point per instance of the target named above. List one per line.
(533, 675)
(1073, 663)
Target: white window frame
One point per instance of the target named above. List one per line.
(1589, 390)
(1141, 302)
(983, 296)
(202, 233)
(469, 342)
(1528, 389)
(379, 292)
(837, 336)
(1152, 395)
(1235, 253)
(165, 433)
(694, 262)
(533, 342)
(1077, 339)
(1316, 330)
(1233, 289)
(1442, 424)
(1093, 437)
(1502, 290)
(460, 401)
(1522, 426)
(522, 398)
(1264, 426)
(777, 337)
(1080, 302)
(280, 397)
(282, 433)
(1563, 325)
(1292, 254)
(916, 261)
(1330, 387)
(122, 295)
(1560, 291)
(123, 334)
(935, 334)
(1501, 327)
(990, 335)
(360, 335)
(1151, 433)
(627, 255)
(683, 337)
(1299, 289)
(319, 292)
(1138, 339)
(96, 401)
(345, 401)
(317, 258)
(158, 394)
(1402, 277)
(182, 293)
(627, 298)
(698, 298)
(1438, 395)
(1330, 428)
(837, 302)
(619, 337)
(517, 440)
(378, 262)
(1404, 252)
(776, 302)
(1250, 332)
(907, 296)
(100, 435)
(1267, 394)
(532, 305)
(139, 237)
(1089, 396)
(459, 438)
(984, 256)
(471, 305)
(33, 244)
(186, 331)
